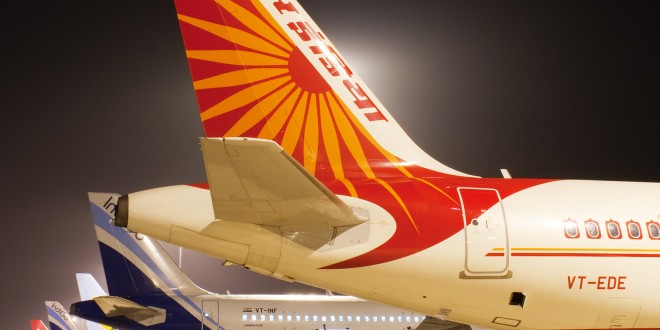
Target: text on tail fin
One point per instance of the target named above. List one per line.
(58, 317)
(264, 69)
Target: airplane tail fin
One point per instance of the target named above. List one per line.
(38, 325)
(89, 288)
(134, 264)
(58, 317)
(264, 69)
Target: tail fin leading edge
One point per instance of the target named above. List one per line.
(263, 68)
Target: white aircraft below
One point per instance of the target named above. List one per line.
(310, 179)
(147, 290)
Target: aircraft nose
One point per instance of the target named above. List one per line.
(121, 217)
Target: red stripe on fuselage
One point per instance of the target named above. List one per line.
(435, 214)
(575, 254)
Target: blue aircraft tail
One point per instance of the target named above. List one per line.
(135, 265)
(147, 290)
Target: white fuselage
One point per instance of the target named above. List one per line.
(539, 242)
(304, 312)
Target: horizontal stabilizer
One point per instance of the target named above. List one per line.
(256, 181)
(116, 306)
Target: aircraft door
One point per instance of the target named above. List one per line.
(486, 236)
(210, 314)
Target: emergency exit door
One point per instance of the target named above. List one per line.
(210, 315)
(486, 236)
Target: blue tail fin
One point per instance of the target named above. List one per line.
(134, 265)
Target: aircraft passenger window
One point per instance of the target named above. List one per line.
(306, 318)
(323, 318)
(254, 317)
(316, 318)
(357, 318)
(375, 318)
(263, 317)
(366, 318)
(613, 229)
(383, 318)
(391, 318)
(280, 318)
(400, 319)
(654, 229)
(332, 318)
(297, 318)
(349, 318)
(634, 231)
(593, 230)
(288, 317)
(341, 318)
(407, 318)
(271, 317)
(244, 317)
(416, 318)
(571, 229)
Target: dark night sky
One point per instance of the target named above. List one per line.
(97, 97)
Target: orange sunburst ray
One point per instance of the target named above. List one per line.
(277, 120)
(389, 156)
(236, 57)
(438, 189)
(255, 24)
(239, 77)
(294, 126)
(269, 18)
(393, 159)
(399, 200)
(349, 135)
(243, 97)
(331, 144)
(235, 35)
(311, 134)
(260, 110)
(330, 141)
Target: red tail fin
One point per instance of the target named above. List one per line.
(38, 325)
(264, 69)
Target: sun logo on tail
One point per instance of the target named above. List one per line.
(280, 79)
(252, 80)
